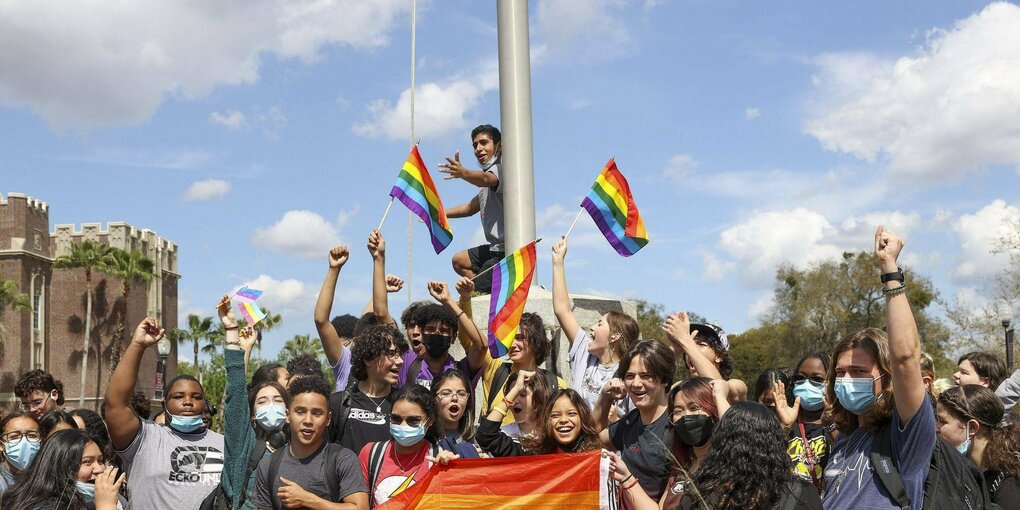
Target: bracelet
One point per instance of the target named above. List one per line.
(235, 344)
(902, 289)
(230, 329)
(459, 314)
(626, 488)
(501, 410)
(628, 478)
(509, 403)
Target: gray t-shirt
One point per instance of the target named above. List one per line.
(490, 202)
(588, 376)
(170, 470)
(310, 474)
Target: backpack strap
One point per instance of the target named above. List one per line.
(791, 496)
(413, 371)
(498, 381)
(885, 467)
(332, 477)
(256, 455)
(375, 462)
(340, 407)
(551, 378)
(274, 474)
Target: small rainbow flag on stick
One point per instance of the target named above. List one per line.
(415, 189)
(251, 313)
(612, 207)
(247, 295)
(511, 280)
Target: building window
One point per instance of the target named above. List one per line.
(36, 307)
(37, 356)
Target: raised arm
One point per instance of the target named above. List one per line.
(611, 392)
(238, 435)
(380, 299)
(471, 337)
(121, 419)
(678, 329)
(904, 340)
(331, 343)
(470, 208)
(455, 170)
(561, 299)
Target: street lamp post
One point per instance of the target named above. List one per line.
(1006, 316)
(163, 348)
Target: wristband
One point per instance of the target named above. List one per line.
(500, 410)
(896, 276)
(628, 478)
(902, 289)
(626, 488)
(231, 329)
(509, 403)
(459, 314)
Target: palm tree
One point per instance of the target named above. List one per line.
(10, 297)
(301, 344)
(90, 256)
(129, 266)
(199, 328)
(271, 321)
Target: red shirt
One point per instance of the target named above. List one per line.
(393, 477)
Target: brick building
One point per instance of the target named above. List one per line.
(50, 335)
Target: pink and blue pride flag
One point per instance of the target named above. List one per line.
(612, 206)
(249, 310)
(415, 189)
(247, 295)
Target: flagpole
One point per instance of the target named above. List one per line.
(571, 229)
(385, 214)
(496, 264)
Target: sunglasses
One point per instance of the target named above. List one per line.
(411, 421)
(816, 379)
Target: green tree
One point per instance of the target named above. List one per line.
(11, 298)
(90, 256)
(299, 345)
(199, 329)
(130, 266)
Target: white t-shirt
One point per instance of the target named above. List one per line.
(588, 376)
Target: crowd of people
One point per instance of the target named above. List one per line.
(867, 425)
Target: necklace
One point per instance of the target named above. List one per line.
(378, 405)
(414, 460)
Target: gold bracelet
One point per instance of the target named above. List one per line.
(501, 410)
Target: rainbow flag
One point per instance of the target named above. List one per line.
(536, 482)
(511, 279)
(247, 295)
(415, 189)
(612, 207)
(251, 312)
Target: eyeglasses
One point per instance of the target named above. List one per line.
(14, 437)
(412, 421)
(35, 404)
(449, 394)
(816, 379)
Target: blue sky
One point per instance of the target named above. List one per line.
(258, 134)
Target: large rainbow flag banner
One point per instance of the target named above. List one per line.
(536, 482)
(415, 189)
(612, 207)
(511, 280)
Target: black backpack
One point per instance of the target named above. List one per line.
(340, 408)
(332, 454)
(953, 482)
(217, 499)
(503, 373)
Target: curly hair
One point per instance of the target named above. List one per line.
(304, 365)
(699, 391)
(986, 365)
(433, 313)
(308, 385)
(407, 316)
(533, 330)
(875, 342)
(587, 439)
(371, 343)
(366, 321)
(49, 480)
(747, 465)
(421, 397)
(344, 325)
(38, 380)
(140, 403)
(466, 426)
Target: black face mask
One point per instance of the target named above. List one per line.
(694, 429)
(436, 345)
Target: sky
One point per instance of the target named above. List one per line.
(258, 134)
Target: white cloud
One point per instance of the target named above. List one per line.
(184, 159)
(209, 189)
(232, 119)
(714, 269)
(591, 30)
(761, 306)
(680, 167)
(281, 295)
(952, 108)
(859, 231)
(752, 113)
(979, 234)
(439, 109)
(302, 233)
(114, 63)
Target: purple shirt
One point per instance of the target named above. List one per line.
(425, 375)
(342, 369)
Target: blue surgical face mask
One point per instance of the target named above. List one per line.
(855, 394)
(184, 424)
(488, 164)
(964, 447)
(810, 395)
(271, 416)
(407, 436)
(21, 453)
(86, 490)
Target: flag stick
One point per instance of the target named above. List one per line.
(571, 229)
(385, 214)
(496, 264)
